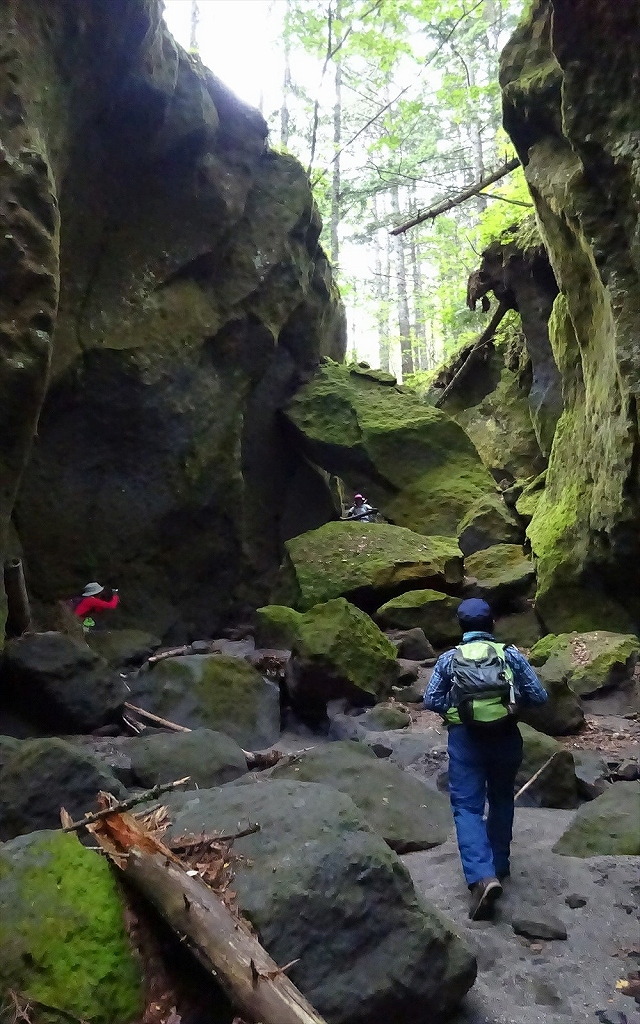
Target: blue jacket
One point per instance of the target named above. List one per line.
(526, 683)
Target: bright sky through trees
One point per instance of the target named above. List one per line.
(392, 105)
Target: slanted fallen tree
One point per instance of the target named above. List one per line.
(197, 904)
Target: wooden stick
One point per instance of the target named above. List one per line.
(18, 607)
(536, 776)
(220, 940)
(155, 718)
(126, 805)
(175, 652)
(461, 197)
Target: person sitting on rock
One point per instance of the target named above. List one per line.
(95, 598)
(362, 510)
(478, 688)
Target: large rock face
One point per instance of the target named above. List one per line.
(569, 79)
(193, 294)
(413, 461)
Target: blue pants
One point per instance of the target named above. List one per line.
(483, 767)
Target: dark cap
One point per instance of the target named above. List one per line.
(474, 613)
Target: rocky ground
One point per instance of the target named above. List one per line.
(523, 980)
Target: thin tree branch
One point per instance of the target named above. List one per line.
(514, 202)
(468, 193)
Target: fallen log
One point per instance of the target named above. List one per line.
(461, 197)
(220, 939)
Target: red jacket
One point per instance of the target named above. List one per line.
(88, 605)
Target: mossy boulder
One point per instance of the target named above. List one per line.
(433, 612)
(398, 806)
(557, 786)
(322, 888)
(276, 627)
(339, 652)
(381, 718)
(590, 662)
(40, 776)
(60, 683)
(208, 758)
(212, 691)
(63, 943)
(488, 522)
(605, 827)
(521, 628)
(122, 647)
(413, 461)
(502, 573)
(364, 562)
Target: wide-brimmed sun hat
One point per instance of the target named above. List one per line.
(92, 589)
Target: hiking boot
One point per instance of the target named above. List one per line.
(483, 897)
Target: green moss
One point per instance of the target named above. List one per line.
(605, 827)
(63, 942)
(486, 523)
(367, 559)
(227, 690)
(276, 626)
(588, 661)
(431, 611)
(415, 463)
(527, 503)
(349, 643)
(382, 718)
(502, 572)
(545, 648)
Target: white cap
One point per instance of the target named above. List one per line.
(92, 589)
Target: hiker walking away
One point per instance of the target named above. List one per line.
(478, 688)
(362, 510)
(95, 598)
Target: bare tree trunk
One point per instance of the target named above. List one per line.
(404, 325)
(381, 293)
(286, 83)
(385, 354)
(419, 330)
(337, 139)
(476, 140)
(195, 20)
